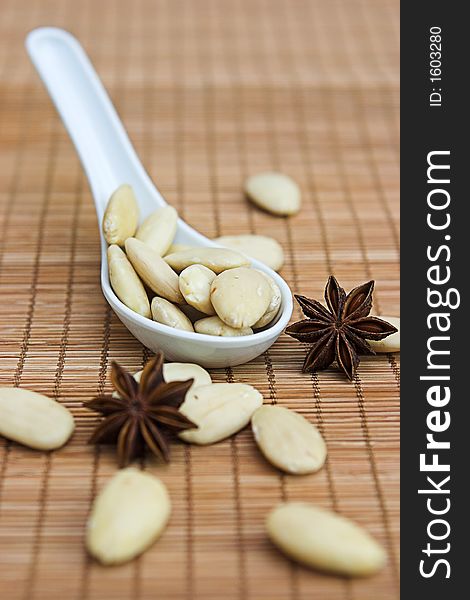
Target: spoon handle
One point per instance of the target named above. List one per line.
(91, 120)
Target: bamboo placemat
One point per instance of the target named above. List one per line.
(210, 91)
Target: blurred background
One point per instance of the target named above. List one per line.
(210, 92)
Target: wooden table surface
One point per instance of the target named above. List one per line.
(210, 91)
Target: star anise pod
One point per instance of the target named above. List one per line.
(135, 416)
(341, 330)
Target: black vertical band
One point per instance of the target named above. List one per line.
(435, 163)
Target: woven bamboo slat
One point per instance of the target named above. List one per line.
(210, 92)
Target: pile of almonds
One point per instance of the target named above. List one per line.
(211, 291)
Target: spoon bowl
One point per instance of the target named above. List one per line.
(109, 160)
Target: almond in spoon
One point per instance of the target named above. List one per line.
(121, 216)
(153, 270)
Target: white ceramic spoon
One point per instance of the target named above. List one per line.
(109, 159)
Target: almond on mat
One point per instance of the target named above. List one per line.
(34, 420)
(128, 515)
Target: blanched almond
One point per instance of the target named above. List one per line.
(158, 229)
(324, 540)
(219, 410)
(288, 440)
(167, 313)
(153, 270)
(33, 419)
(274, 303)
(240, 296)
(275, 192)
(121, 216)
(195, 285)
(128, 515)
(215, 326)
(215, 259)
(183, 372)
(125, 282)
(263, 248)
